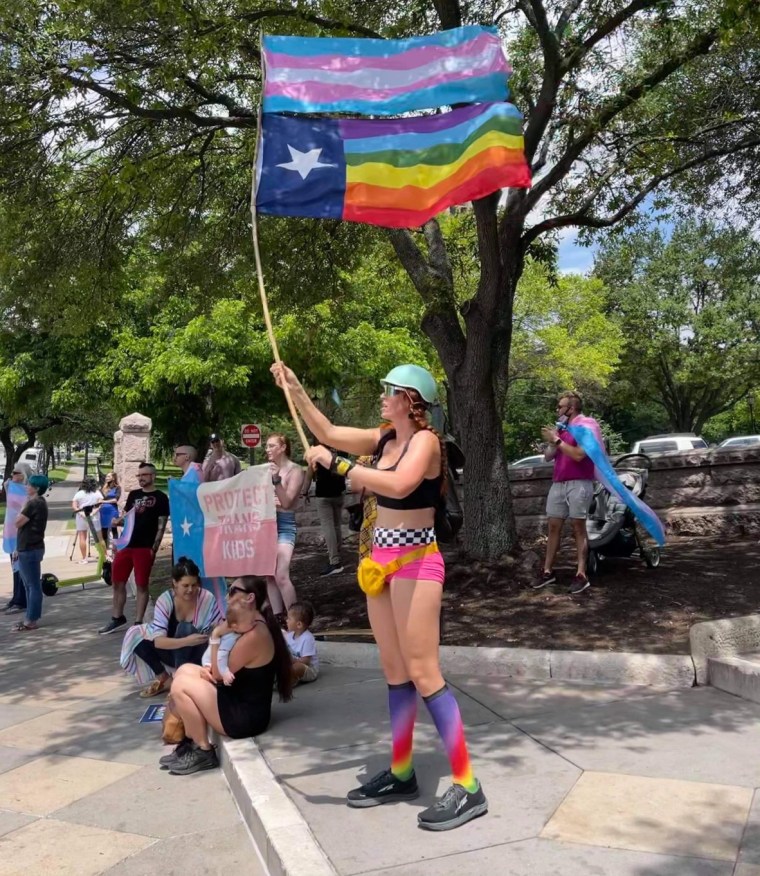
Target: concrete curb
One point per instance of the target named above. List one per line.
(282, 834)
(660, 670)
(726, 637)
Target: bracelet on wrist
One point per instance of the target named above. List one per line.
(215, 641)
(340, 466)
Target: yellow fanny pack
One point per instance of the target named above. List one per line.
(372, 575)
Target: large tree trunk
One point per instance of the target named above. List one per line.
(490, 529)
(476, 362)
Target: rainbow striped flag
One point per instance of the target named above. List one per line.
(397, 174)
(383, 77)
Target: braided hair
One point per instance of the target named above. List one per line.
(418, 416)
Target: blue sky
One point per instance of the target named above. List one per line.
(573, 258)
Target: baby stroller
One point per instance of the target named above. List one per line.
(612, 529)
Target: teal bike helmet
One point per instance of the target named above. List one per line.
(413, 377)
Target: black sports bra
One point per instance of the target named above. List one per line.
(425, 495)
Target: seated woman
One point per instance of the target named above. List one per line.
(182, 620)
(242, 709)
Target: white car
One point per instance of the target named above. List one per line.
(680, 443)
(741, 441)
(528, 461)
(32, 458)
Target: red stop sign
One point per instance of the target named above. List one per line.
(250, 435)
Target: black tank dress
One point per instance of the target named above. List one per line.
(245, 706)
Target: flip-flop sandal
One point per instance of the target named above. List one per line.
(155, 688)
(22, 628)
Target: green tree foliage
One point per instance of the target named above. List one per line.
(690, 311)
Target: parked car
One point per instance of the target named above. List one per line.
(679, 442)
(528, 461)
(741, 441)
(33, 458)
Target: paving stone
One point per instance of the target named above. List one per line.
(10, 821)
(304, 724)
(524, 784)
(226, 851)
(48, 783)
(700, 734)
(154, 803)
(11, 715)
(750, 849)
(10, 758)
(50, 846)
(510, 698)
(664, 816)
(536, 857)
(102, 730)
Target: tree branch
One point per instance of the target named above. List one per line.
(580, 219)
(609, 26)
(329, 23)
(541, 114)
(440, 322)
(170, 113)
(700, 46)
(449, 13)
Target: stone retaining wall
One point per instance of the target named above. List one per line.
(703, 492)
(697, 493)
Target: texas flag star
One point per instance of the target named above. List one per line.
(186, 526)
(303, 162)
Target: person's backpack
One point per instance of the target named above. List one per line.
(448, 513)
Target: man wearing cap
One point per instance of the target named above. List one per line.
(220, 464)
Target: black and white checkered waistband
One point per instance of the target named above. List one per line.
(403, 537)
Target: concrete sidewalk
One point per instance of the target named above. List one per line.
(581, 779)
(80, 789)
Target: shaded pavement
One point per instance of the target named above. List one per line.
(80, 788)
(580, 778)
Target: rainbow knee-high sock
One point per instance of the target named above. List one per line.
(402, 702)
(444, 709)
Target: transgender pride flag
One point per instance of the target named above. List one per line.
(126, 533)
(15, 497)
(383, 77)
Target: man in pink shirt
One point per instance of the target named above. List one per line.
(572, 488)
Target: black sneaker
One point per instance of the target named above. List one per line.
(168, 760)
(331, 570)
(543, 580)
(113, 625)
(579, 584)
(383, 788)
(455, 808)
(194, 760)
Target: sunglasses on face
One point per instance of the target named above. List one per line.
(389, 391)
(233, 590)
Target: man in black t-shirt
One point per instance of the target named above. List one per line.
(151, 513)
(328, 491)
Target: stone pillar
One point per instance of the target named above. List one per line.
(118, 455)
(135, 448)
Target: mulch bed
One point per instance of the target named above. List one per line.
(628, 607)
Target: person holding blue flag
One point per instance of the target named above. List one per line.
(572, 487)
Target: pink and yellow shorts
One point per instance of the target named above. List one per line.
(393, 544)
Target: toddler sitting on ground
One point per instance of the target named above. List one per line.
(301, 643)
(226, 634)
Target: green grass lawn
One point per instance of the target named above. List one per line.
(60, 473)
(163, 475)
(2, 514)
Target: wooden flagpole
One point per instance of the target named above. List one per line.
(263, 294)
